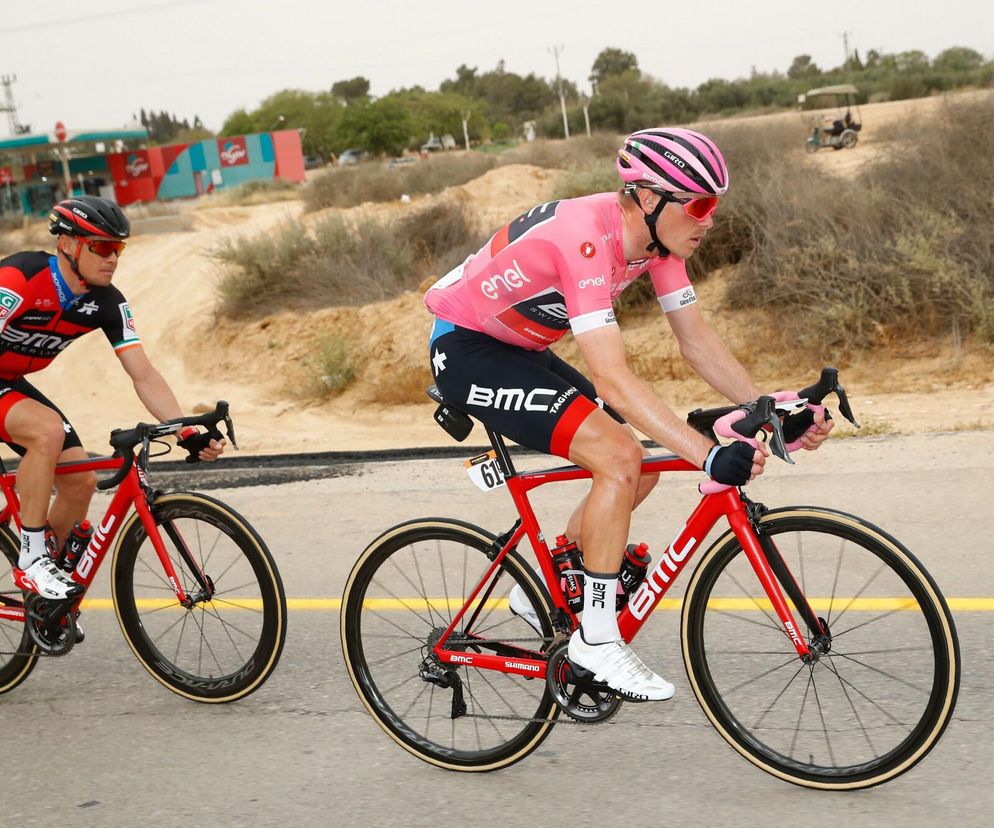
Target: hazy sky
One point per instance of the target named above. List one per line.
(93, 64)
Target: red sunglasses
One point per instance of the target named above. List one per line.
(104, 247)
(697, 208)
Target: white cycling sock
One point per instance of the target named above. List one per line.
(600, 622)
(32, 546)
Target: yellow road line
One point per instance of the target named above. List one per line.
(863, 604)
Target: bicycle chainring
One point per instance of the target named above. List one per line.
(52, 631)
(575, 691)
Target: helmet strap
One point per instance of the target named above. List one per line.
(650, 222)
(75, 263)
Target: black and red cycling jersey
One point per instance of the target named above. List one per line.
(37, 323)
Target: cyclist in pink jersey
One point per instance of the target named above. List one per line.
(556, 268)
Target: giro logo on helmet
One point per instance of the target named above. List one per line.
(678, 161)
(80, 213)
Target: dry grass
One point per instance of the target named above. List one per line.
(341, 263)
(351, 186)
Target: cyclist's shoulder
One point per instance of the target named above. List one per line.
(23, 266)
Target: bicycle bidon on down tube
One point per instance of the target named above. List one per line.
(196, 591)
(817, 645)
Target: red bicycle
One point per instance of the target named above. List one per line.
(817, 645)
(196, 591)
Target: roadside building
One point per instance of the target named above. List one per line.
(37, 170)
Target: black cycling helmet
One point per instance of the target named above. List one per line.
(88, 216)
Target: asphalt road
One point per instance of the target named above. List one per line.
(91, 739)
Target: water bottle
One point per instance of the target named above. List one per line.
(566, 558)
(76, 543)
(634, 565)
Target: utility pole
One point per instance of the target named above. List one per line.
(586, 112)
(465, 128)
(555, 50)
(9, 106)
(845, 46)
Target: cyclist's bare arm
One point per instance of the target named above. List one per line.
(156, 395)
(709, 356)
(604, 351)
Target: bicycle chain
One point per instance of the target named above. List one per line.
(529, 719)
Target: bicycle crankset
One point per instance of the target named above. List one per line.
(575, 691)
(51, 625)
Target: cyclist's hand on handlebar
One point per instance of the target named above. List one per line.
(736, 464)
(201, 446)
(809, 427)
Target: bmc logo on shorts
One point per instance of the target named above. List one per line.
(516, 399)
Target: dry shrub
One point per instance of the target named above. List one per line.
(576, 153)
(904, 251)
(339, 263)
(350, 186)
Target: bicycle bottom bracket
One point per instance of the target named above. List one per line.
(50, 626)
(575, 691)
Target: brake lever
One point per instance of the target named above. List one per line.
(762, 419)
(230, 428)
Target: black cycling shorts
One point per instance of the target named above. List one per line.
(15, 390)
(532, 397)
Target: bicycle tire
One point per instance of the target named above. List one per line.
(14, 637)
(848, 700)
(410, 543)
(237, 560)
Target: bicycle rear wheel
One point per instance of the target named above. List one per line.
(868, 709)
(18, 653)
(225, 646)
(402, 594)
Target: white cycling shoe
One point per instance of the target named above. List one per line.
(619, 668)
(521, 606)
(44, 578)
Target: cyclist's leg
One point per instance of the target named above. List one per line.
(72, 492)
(646, 482)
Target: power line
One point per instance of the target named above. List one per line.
(88, 18)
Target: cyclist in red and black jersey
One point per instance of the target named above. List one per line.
(46, 302)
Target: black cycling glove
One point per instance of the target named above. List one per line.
(731, 464)
(193, 444)
(795, 426)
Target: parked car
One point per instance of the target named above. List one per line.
(312, 162)
(352, 156)
(434, 143)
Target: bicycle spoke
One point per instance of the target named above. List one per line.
(887, 614)
(382, 617)
(445, 586)
(744, 619)
(852, 706)
(824, 724)
(927, 691)
(775, 622)
(779, 695)
(385, 659)
(862, 589)
(761, 675)
(835, 583)
(408, 607)
(424, 591)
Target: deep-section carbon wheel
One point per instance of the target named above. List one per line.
(402, 594)
(227, 644)
(882, 692)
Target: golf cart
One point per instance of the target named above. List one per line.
(838, 129)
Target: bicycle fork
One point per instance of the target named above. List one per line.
(773, 573)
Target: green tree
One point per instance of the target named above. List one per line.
(612, 62)
(958, 59)
(383, 126)
(802, 67)
(348, 91)
(238, 122)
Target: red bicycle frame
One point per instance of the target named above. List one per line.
(727, 504)
(129, 492)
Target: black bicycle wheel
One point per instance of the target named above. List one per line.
(224, 647)
(869, 708)
(402, 594)
(18, 653)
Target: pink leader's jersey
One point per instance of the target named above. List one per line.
(555, 268)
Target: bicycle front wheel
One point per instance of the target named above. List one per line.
(869, 708)
(403, 593)
(229, 642)
(18, 653)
